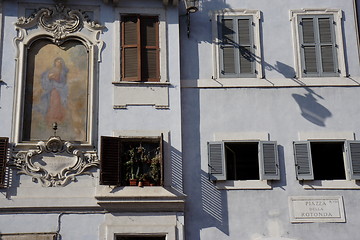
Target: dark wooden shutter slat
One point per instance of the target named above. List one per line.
(303, 161)
(130, 48)
(229, 60)
(354, 159)
(325, 30)
(148, 30)
(162, 159)
(327, 59)
(130, 30)
(217, 169)
(110, 170)
(130, 63)
(4, 142)
(270, 161)
(150, 68)
(227, 31)
(244, 32)
(149, 64)
(310, 59)
(308, 30)
(246, 60)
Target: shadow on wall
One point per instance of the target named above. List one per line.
(310, 109)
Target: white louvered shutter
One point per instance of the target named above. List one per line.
(303, 161)
(217, 167)
(269, 160)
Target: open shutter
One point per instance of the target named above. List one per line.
(162, 159)
(3, 157)
(130, 48)
(217, 167)
(353, 159)
(110, 160)
(303, 161)
(269, 160)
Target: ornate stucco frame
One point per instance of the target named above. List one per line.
(58, 24)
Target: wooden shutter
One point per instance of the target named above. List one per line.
(227, 48)
(3, 158)
(353, 159)
(161, 139)
(217, 166)
(326, 45)
(308, 44)
(269, 160)
(110, 160)
(150, 49)
(245, 45)
(130, 48)
(303, 161)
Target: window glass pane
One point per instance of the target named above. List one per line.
(310, 59)
(227, 31)
(325, 30)
(149, 63)
(130, 62)
(244, 31)
(246, 60)
(308, 30)
(327, 59)
(130, 30)
(228, 60)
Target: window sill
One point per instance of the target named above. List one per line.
(330, 184)
(243, 184)
(271, 82)
(140, 199)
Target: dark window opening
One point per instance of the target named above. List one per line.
(242, 161)
(328, 160)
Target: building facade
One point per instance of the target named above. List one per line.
(260, 100)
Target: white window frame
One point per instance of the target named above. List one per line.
(344, 137)
(228, 13)
(160, 12)
(336, 15)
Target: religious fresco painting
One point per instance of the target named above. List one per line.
(56, 90)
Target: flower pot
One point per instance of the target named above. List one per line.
(133, 182)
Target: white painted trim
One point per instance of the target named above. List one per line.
(160, 12)
(305, 136)
(271, 82)
(241, 136)
(337, 14)
(246, 184)
(331, 184)
(215, 40)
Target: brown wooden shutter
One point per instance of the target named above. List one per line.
(110, 160)
(3, 157)
(140, 48)
(130, 48)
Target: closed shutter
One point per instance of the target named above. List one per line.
(245, 45)
(326, 45)
(308, 45)
(303, 161)
(269, 160)
(130, 48)
(150, 49)
(110, 161)
(228, 47)
(3, 157)
(217, 167)
(353, 159)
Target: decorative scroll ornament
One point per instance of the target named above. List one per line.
(55, 162)
(59, 20)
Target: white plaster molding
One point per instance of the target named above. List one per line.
(241, 136)
(337, 14)
(243, 184)
(256, 14)
(58, 24)
(55, 162)
(316, 135)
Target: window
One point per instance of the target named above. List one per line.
(3, 158)
(236, 41)
(128, 161)
(327, 160)
(240, 160)
(319, 44)
(140, 48)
